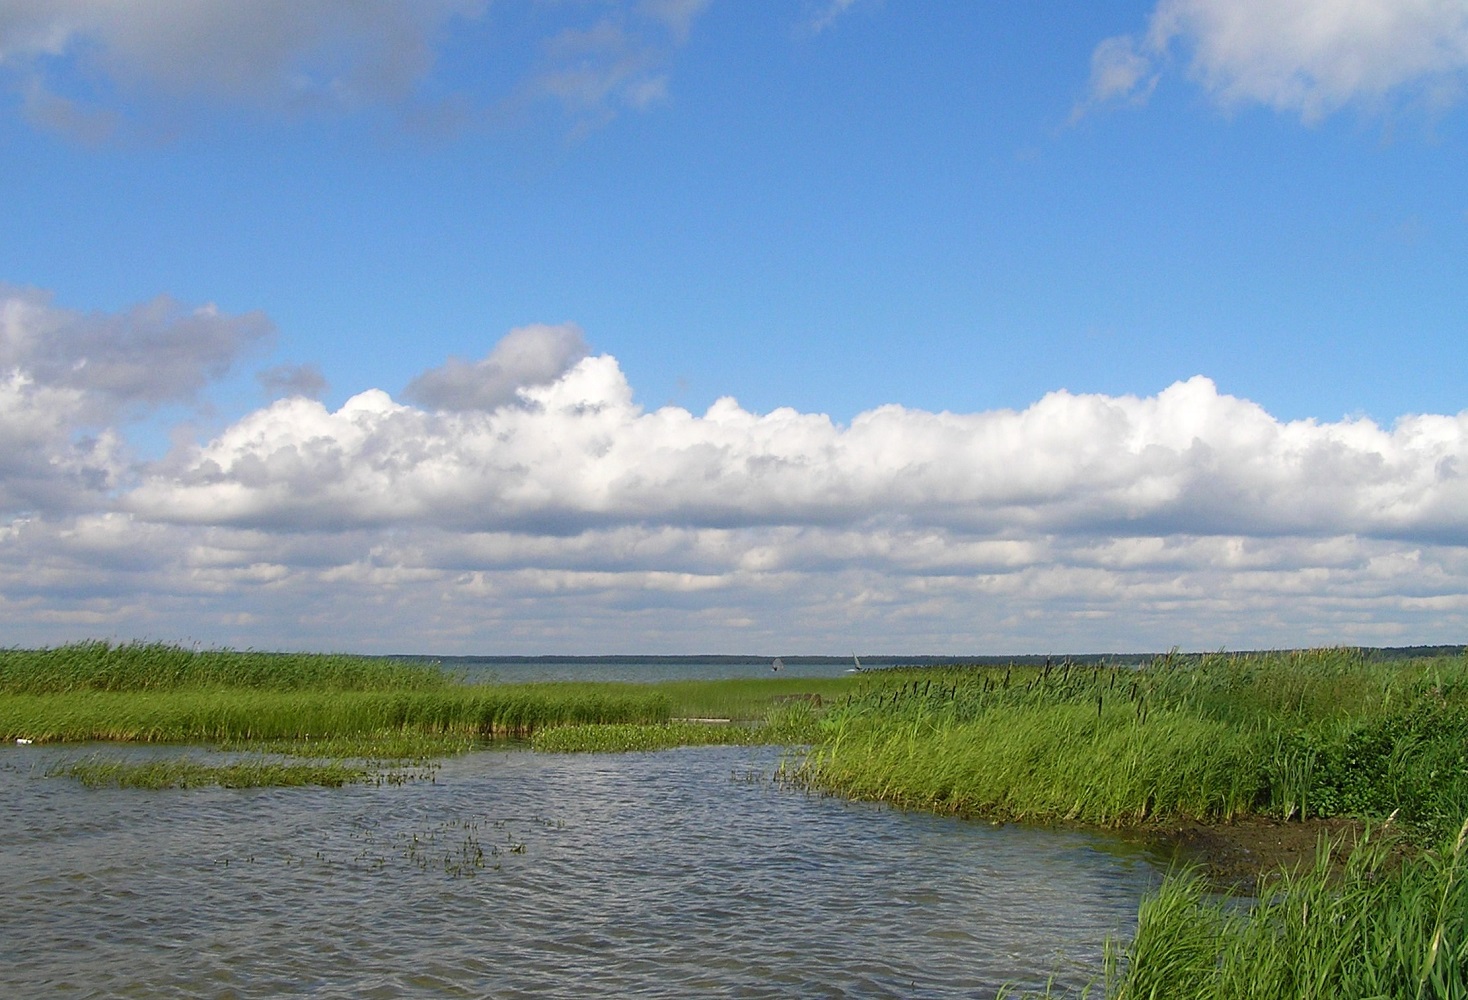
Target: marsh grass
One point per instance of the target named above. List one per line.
(1313, 733)
(225, 715)
(750, 699)
(623, 738)
(139, 666)
(1050, 762)
(1378, 930)
(791, 722)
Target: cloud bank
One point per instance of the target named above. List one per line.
(1306, 57)
(527, 503)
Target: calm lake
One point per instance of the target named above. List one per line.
(515, 874)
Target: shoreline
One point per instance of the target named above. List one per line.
(1235, 855)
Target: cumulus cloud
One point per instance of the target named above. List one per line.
(526, 502)
(583, 454)
(1308, 57)
(527, 356)
(158, 352)
(68, 379)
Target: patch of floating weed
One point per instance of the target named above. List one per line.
(622, 738)
(393, 745)
(186, 772)
(458, 848)
(793, 722)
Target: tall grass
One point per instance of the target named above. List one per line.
(786, 724)
(138, 666)
(1378, 931)
(751, 698)
(225, 714)
(1300, 734)
(1061, 761)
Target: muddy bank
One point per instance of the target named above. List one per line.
(1236, 854)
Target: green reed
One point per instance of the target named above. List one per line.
(228, 714)
(620, 738)
(139, 666)
(746, 699)
(1063, 761)
(1378, 930)
(786, 724)
(1313, 733)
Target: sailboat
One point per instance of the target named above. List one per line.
(857, 660)
(779, 664)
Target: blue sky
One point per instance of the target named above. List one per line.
(818, 209)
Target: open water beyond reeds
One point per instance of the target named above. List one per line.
(516, 874)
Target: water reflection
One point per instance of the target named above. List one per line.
(672, 874)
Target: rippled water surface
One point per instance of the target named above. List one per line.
(516, 874)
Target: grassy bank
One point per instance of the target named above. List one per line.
(1290, 736)
(153, 693)
(146, 666)
(1374, 930)
(1318, 733)
(1326, 733)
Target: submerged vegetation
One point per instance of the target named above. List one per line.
(185, 772)
(1290, 736)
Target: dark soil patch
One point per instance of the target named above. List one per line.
(1236, 854)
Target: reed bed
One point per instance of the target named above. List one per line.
(1314, 733)
(1382, 931)
(138, 666)
(786, 724)
(750, 699)
(1051, 762)
(615, 738)
(231, 714)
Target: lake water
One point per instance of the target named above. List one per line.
(514, 874)
(477, 671)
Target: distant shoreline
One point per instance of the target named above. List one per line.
(892, 659)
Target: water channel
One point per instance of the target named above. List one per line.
(516, 874)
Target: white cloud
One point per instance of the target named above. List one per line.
(69, 379)
(581, 454)
(527, 356)
(532, 505)
(157, 352)
(1309, 57)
